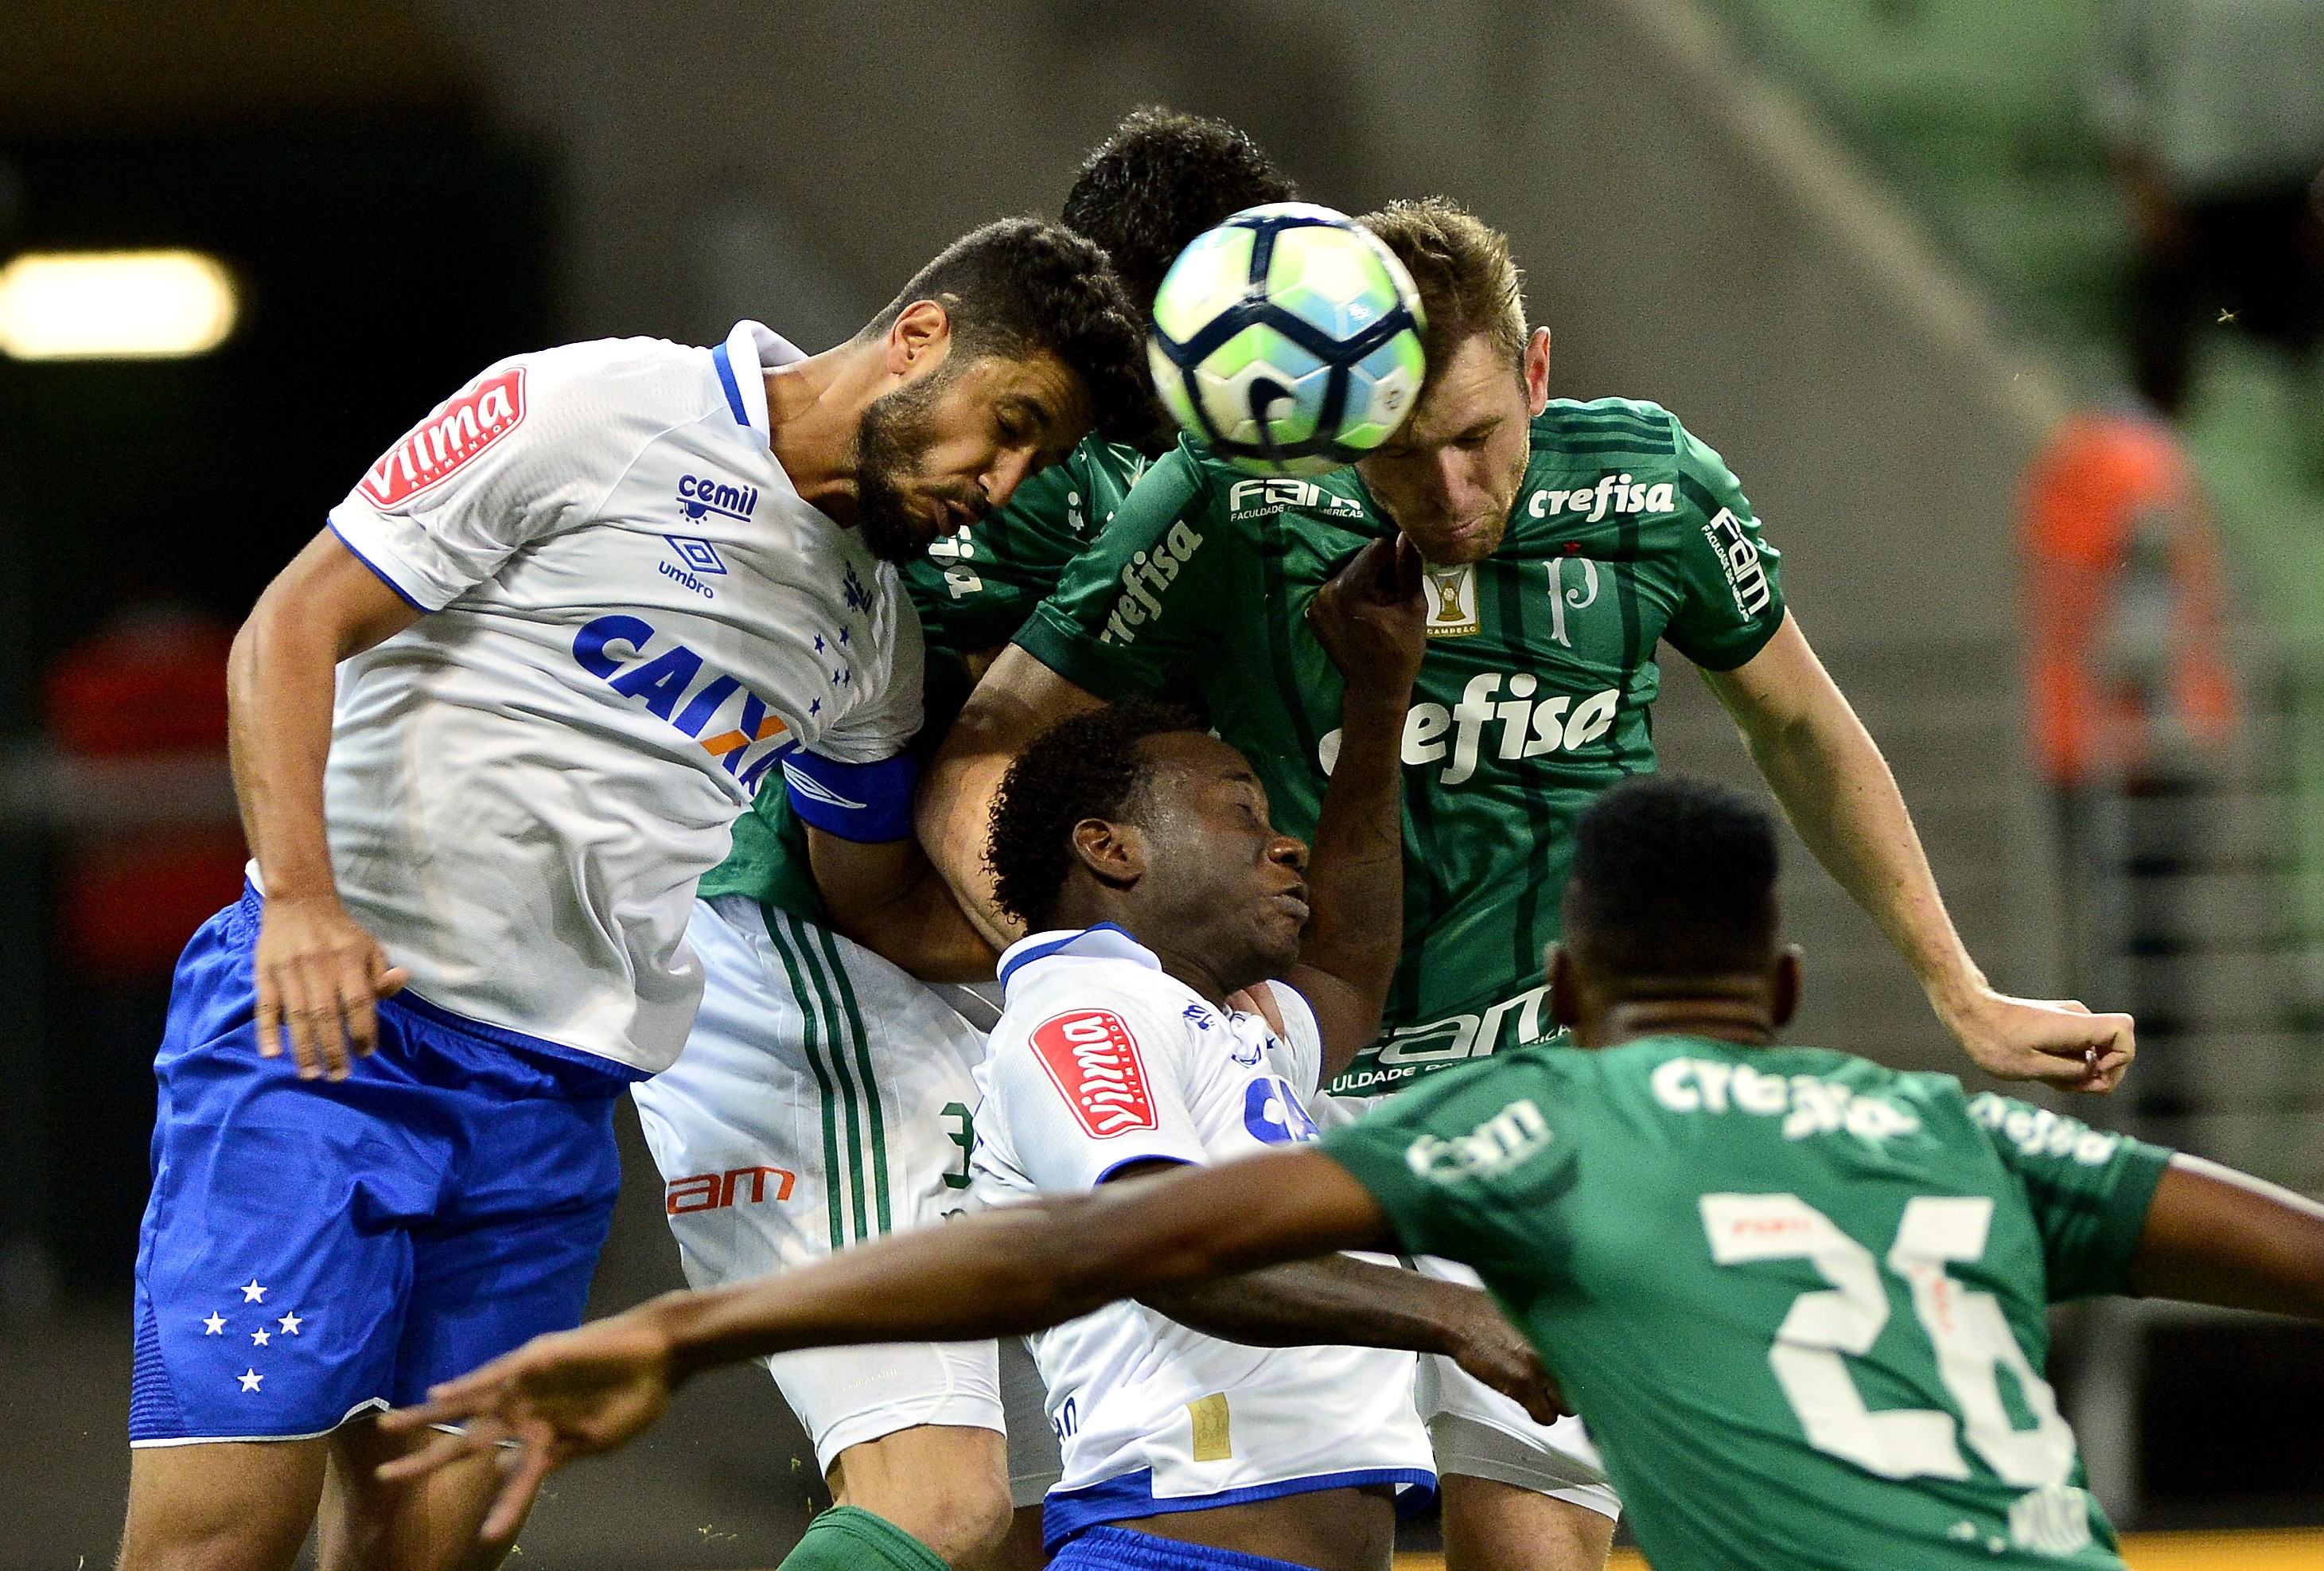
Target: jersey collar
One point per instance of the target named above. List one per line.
(750, 351)
(1104, 941)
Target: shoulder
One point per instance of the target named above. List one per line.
(1606, 429)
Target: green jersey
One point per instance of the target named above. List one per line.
(1533, 698)
(973, 590)
(1798, 1298)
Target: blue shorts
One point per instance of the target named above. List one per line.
(1120, 1549)
(312, 1249)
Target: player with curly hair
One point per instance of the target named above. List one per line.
(826, 1095)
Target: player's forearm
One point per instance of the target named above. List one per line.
(1840, 795)
(1355, 871)
(279, 688)
(1338, 1302)
(1028, 1266)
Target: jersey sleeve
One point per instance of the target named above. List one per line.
(1145, 594)
(1093, 1088)
(2090, 1190)
(1466, 1166)
(1733, 594)
(492, 468)
(975, 588)
(1302, 1035)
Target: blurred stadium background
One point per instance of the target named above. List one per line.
(1909, 263)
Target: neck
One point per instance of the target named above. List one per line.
(814, 410)
(1730, 1019)
(1202, 973)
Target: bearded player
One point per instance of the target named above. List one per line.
(827, 1095)
(1788, 1288)
(489, 728)
(1565, 541)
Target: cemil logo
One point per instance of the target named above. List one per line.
(1092, 1060)
(700, 497)
(448, 439)
(716, 1191)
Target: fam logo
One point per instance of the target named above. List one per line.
(729, 721)
(1739, 558)
(1149, 571)
(1510, 1138)
(1612, 493)
(698, 556)
(1249, 499)
(700, 498)
(448, 439)
(716, 1191)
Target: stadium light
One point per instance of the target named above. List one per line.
(114, 305)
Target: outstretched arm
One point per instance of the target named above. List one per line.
(1838, 792)
(2217, 1237)
(1002, 1273)
(1372, 619)
(319, 974)
(1341, 1301)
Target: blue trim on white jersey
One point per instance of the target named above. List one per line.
(725, 364)
(378, 571)
(1139, 1161)
(1026, 950)
(1129, 1495)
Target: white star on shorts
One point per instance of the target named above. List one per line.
(215, 1326)
(254, 1293)
(291, 1323)
(250, 1379)
(259, 1337)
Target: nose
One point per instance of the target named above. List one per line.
(1289, 850)
(1006, 472)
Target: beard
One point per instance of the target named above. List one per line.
(891, 441)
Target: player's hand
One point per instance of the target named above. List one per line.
(1497, 1352)
(557, 1398)
(2058, 1041)
(319, 976)
(1372, 618)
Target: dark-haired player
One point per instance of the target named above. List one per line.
(826, 1094)
(1799, 1297)
(489, 728)
(1566, 541)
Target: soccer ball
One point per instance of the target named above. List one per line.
(1288, 339)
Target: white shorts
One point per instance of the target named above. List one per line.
(1475, 1431)
(823, 1098)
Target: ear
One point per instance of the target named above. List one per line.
(1783, 998)
(1565, 988)
(1537, 370)
(918, 338)
(1113, 853)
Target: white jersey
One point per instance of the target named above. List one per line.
(633, 617)
(1100, 1061)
